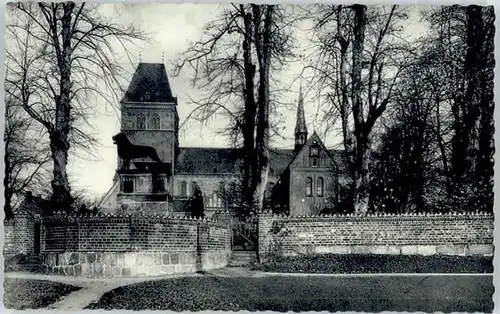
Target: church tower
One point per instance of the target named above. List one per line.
(149, 118)
(300, 126)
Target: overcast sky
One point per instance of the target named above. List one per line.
(171, 28)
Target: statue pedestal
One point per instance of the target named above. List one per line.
(144, 191)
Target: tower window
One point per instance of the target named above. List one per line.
(320, 186)
(141, 121)
(155, 122)
(309, 183)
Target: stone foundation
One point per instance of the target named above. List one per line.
(131, 264)
(463, 250)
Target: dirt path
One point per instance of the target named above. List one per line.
(91, 290)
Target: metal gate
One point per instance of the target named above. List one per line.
(245, 234)
(37, 239)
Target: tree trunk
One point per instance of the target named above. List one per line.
(344, 102)
(464, 127)
(59, 141)
(361, 195)
(249, 117)
(439, 136)
(7, 189)
(361, 190)
(262, 134)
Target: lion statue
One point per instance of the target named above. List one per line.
(128, 151)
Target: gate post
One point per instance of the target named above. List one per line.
(264, 238)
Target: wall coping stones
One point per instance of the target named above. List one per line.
(118, 217)
(371, 215)
(469, 215)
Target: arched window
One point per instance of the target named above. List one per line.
(320, 186)
(309, 183)
(141, 121)
(183, 188)
(155, 122)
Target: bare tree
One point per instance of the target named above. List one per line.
(60, 57)
(233, 63)
(25, 160)
(408, 157)
(83, 203)
(263, 37)
(373, 38)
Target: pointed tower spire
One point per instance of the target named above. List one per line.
(300, 126)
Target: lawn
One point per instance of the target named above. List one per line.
(310, 293)
(21, 294)
(364, 263)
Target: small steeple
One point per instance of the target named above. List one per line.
(300, 126)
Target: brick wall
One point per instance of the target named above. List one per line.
(19, 235)
(9, 244)
(133, 245)
(432, 234)
(117, 233)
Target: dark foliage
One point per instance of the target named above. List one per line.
(310, 293)
(358, 263)
(21, 294)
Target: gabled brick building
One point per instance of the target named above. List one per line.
(302, 181)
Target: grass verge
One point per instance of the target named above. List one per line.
(367, 263)
(21, 294)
